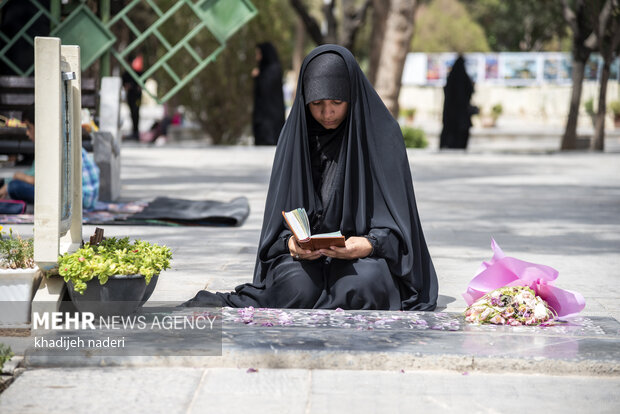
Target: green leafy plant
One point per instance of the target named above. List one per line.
(408, 113)
(589, 106)
(614, 107)
(414, 137)
(15, 252)
(5, 354)
(113, 256)
(497, 110)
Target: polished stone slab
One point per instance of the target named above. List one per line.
(337, 339)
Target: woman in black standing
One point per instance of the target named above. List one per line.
(268, 115)
(341, 156)
(456, 108)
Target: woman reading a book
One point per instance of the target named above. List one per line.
(341, 157)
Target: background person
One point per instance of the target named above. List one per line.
(133, 94)
(21, 187)
(268, 114)
(457, 110)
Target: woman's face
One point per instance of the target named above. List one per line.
(329, 113)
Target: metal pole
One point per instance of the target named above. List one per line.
(55, 12)
(104, 6)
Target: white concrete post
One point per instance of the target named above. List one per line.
(49, 225)
(48, 150)
(108, 152)
(72, 240)
(53, 233)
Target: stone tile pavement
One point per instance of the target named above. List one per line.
(561, 210)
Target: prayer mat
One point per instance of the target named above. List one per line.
(163, 211)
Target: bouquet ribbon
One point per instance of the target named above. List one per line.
(503, 270)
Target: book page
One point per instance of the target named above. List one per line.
(296, 223)
(327, 235)
(304, 220)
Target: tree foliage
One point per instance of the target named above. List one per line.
(519, 25)
(446, 26)
(220, 97)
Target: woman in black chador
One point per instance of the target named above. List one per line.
(341, 156)
(268, 115)
(456, 107)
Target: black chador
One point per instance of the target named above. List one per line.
(354, 178)
(268, 114)
(456, 108)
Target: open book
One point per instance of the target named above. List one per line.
(299, 224)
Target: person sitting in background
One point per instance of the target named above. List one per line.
(21, 187)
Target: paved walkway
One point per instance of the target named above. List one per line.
(557, 209)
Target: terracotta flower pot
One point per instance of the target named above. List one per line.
(488, 121)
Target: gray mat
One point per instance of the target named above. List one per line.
(198, 212)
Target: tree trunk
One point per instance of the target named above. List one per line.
(396, 41)
(331, 35)
(380, 10)
(298, 50)
(310, 23)
(598, 140)
(569, 140)
(352, 19)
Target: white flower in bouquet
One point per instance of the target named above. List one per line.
(514, 305)
(540, 311)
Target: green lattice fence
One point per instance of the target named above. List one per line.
(22, 41)
(168, 29)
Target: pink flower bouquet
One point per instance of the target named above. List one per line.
(504, 272)
(511, 305)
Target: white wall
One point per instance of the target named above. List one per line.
(543, 105)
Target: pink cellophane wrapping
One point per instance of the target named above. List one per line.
(503, 270)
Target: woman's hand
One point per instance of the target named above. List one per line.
(355, 248)
(299, 253)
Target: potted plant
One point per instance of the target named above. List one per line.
(588, 105)
(490, 119)
(614, 107)
(19, 277)
(114, 270)
(408, 114)
(414, 137)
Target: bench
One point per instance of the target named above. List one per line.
(17, 95)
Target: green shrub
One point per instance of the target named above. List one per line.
(414, 137)
(407, 112)
(589, 106)
(614, 107)
(15, 252)
(496, 110)
(5, 354)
